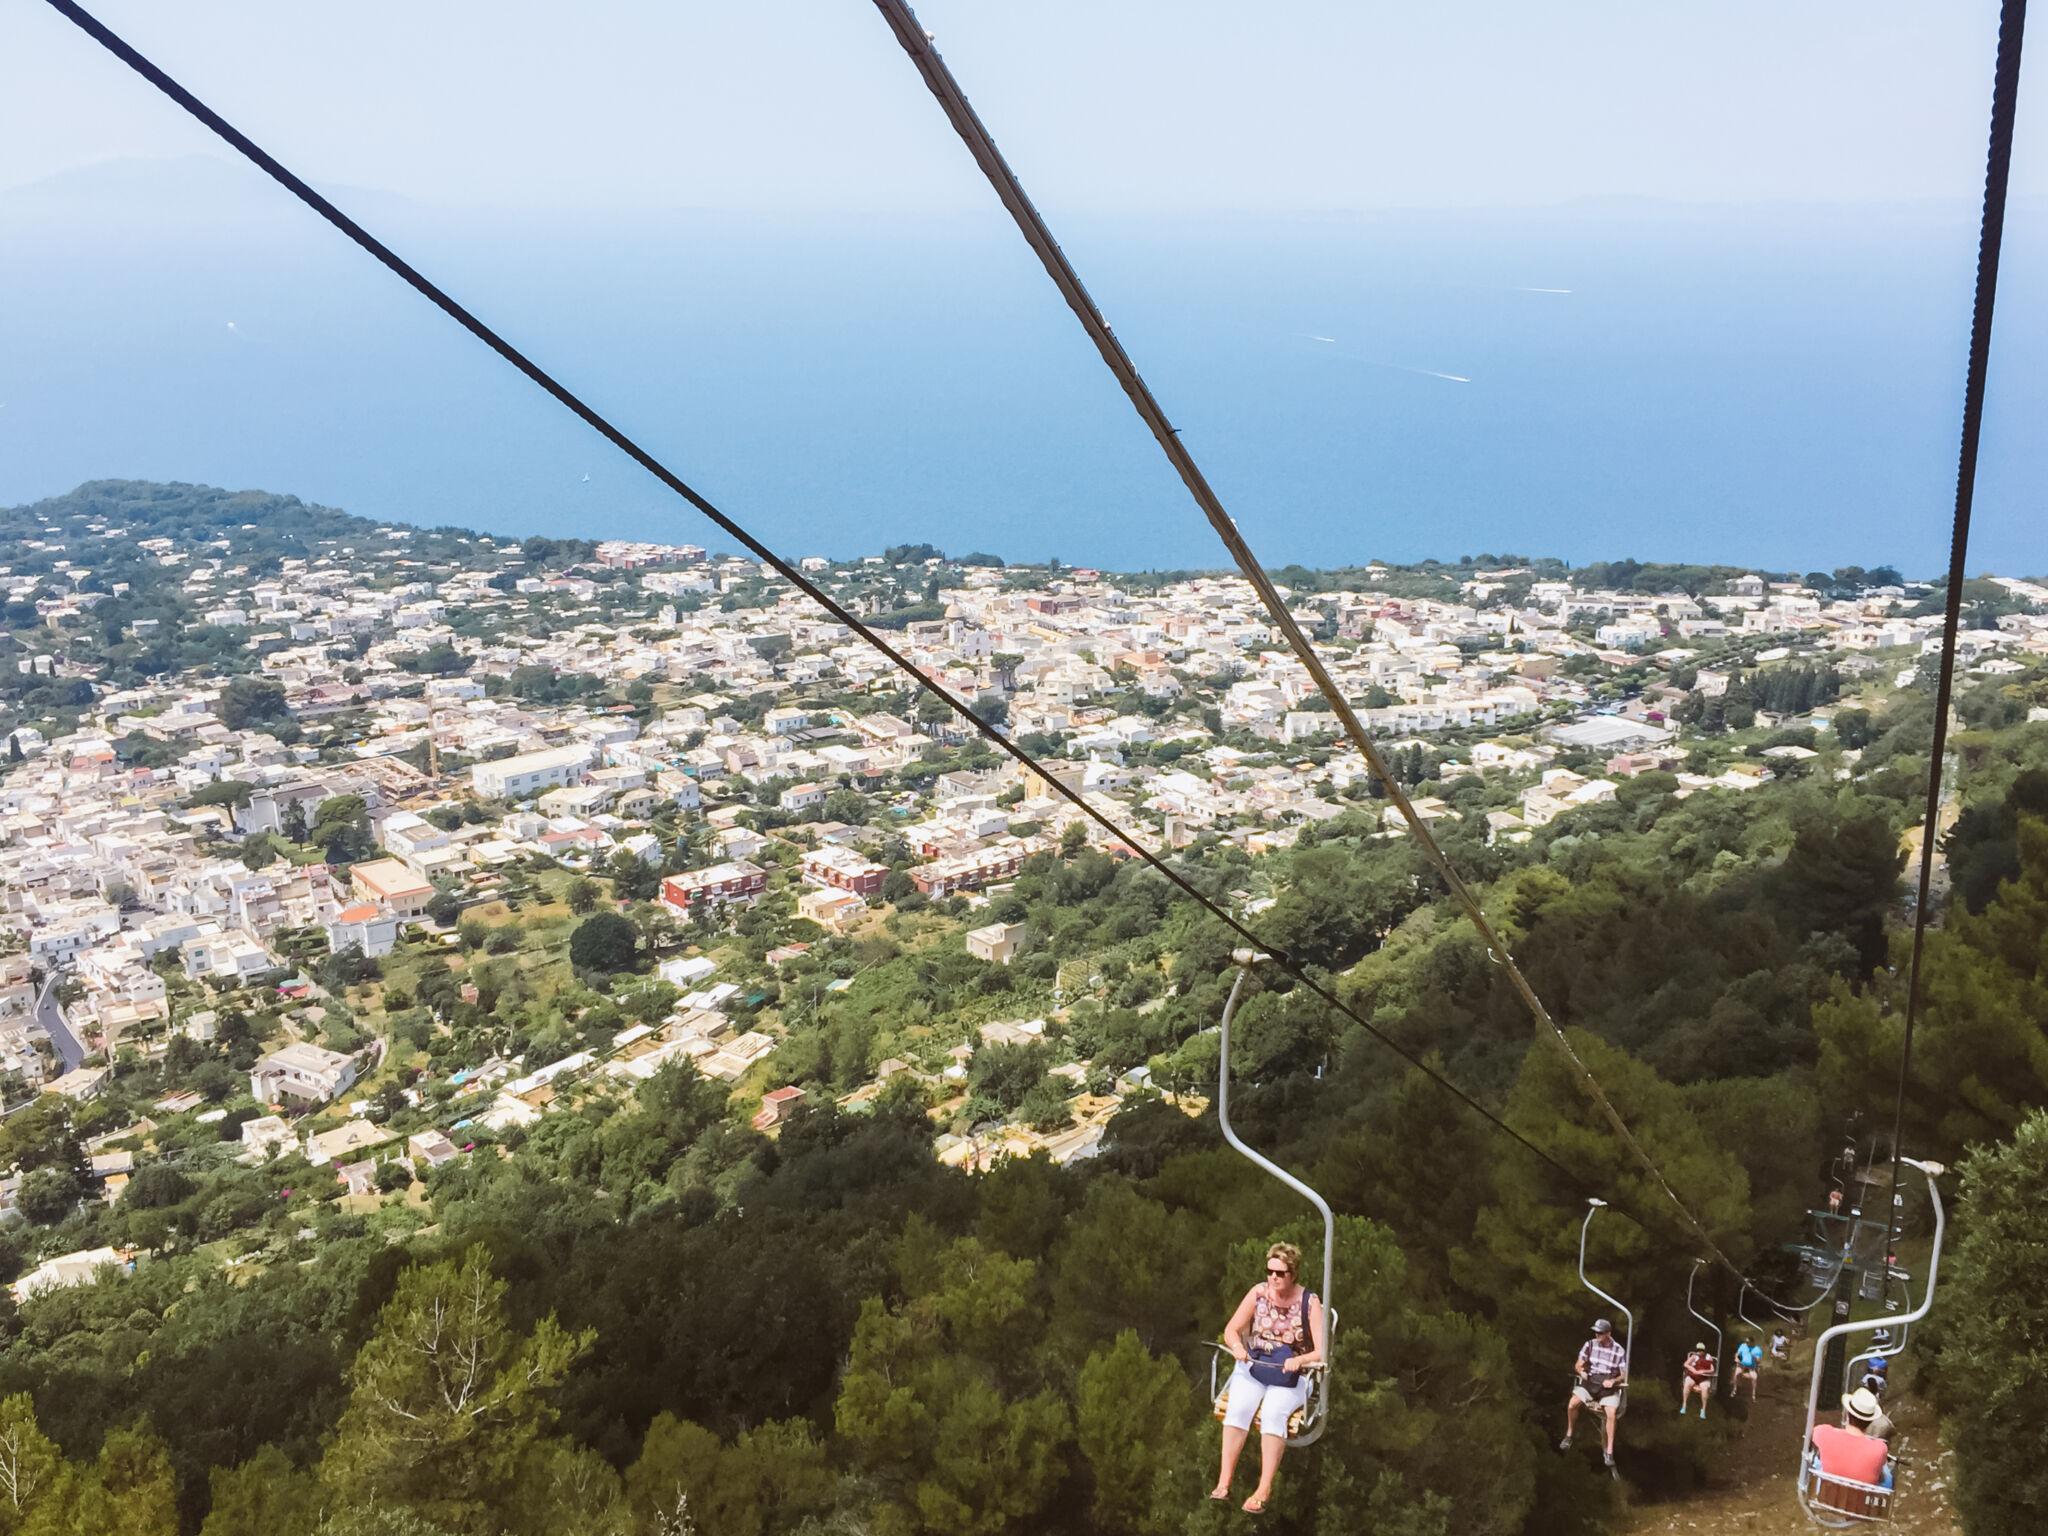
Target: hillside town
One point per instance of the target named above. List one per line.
(394, 841)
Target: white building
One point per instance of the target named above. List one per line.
(997, 943)
(531, 773)
(369, 927)
(302, 1071)
(80, 1268)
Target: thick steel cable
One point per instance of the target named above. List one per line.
(247, 147)
(917, 43)
(2005, 91)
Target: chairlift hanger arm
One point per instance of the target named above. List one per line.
(1720, 1341)
(1322, 1321)
(1628, 1342)
(1238, 1143)
(1871, 1325)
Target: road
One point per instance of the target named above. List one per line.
(51, 1017)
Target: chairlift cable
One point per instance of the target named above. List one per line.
(248, 148)
(2005, 87)
(917, 43)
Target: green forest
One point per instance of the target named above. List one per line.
(643, 1316)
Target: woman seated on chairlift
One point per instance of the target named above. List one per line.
(1275, 1333)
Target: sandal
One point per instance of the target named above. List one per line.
(1254, 1505)
(1220, 1495)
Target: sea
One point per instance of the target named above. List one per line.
(1778, 386)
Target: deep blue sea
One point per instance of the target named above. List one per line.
(1778, 386)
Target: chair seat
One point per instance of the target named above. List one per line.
(1859, 1501)
(1295, 1420)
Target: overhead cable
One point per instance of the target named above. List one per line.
(588, 414)
(917, 43)
(2005, 91)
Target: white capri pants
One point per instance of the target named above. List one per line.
(1273, 1405)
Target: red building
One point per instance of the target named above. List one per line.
(844, 870)
(739, 880)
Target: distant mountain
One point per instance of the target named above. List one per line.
(246, 525)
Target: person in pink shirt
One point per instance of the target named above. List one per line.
(1851, 1451)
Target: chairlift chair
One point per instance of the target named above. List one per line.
(1840, 1502)
(1719, 1341)
(1628, 1340)
(1305, 1426)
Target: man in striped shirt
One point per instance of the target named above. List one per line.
(1601, 1369)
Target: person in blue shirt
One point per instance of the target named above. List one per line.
(1749, 1360)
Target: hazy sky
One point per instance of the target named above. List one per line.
(1110, 104)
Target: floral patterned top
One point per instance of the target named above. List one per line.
(1274, 1325)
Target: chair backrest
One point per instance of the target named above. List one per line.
(1854, 1500)
(1859, 1501)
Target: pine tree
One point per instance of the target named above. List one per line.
(1133, 1410)
(29, 1462)
(1980, 1051)
(265, 1496)
(447, 1400)
(1994, 1337)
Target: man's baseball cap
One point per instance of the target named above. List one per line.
(1603, 1326)
(1701, 1347)
(1862, 1404)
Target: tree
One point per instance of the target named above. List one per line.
(923, 1400)
(582, 895)
(1132, 1414)
(156, 1185)
(1044, 1106)
(292, 822)
(50, 1194)
(1840, 877)
(632, 877)
(264, 1496)
(249, 702)
(1073, 840)
(234, 792)
(604, 942)
(1980, 1053)
(1994, 1334)
(446, 1399)
(378, 1520)
(849, 806)
(770, 1476)
(30, 1462)
(1524, 1246)
(443, 907)
(569, 1490)
(1007, 1073)
(342, 827)
(129, 1488)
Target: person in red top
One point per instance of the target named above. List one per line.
(1852, 1452)
(1700, 1370)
